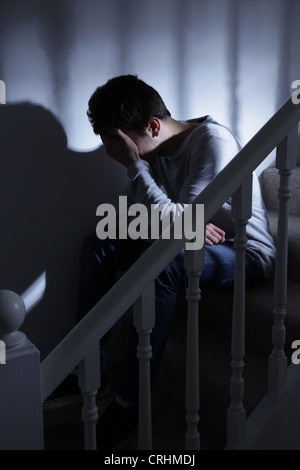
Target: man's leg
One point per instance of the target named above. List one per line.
(119, 421)
(218, 273)
(219, 268)
(100, 262)
(167, 286)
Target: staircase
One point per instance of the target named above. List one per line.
(215, 313)
(168, 391)
(215, 333)
(241, 418)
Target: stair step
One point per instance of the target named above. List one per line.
(216, 311)
(63, 429)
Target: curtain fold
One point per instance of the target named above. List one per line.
(233, 59)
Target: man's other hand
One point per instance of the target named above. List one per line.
(214, 235)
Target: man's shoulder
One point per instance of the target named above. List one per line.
(210, 128)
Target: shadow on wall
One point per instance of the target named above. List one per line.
(49, 195)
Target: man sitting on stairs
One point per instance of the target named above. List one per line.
(168, 162)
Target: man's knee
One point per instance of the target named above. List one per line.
(89, 242)
(174, 275)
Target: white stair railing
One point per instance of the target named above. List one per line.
(232, 180)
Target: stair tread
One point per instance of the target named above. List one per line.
(216, 311)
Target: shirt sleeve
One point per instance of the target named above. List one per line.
(207, 159)
(209, 155)
(205, 156)
(144, 189)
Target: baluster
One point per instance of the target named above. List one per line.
(144, 321)
(285, 162)
(194, 264)
(236, 417)
(89, 383)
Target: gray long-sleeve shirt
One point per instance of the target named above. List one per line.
(177, 179)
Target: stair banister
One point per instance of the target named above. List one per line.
(131, 285)
(194, 265)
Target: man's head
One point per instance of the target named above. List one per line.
(126, 103)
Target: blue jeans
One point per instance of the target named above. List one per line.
(101, 259)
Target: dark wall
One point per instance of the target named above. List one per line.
(49, 195)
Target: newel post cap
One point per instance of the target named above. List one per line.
(12, 314)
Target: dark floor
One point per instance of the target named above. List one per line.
(63, 426)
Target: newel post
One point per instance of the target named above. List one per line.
(21, 424)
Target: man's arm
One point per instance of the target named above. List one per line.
(142, 185)
(121, 148)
